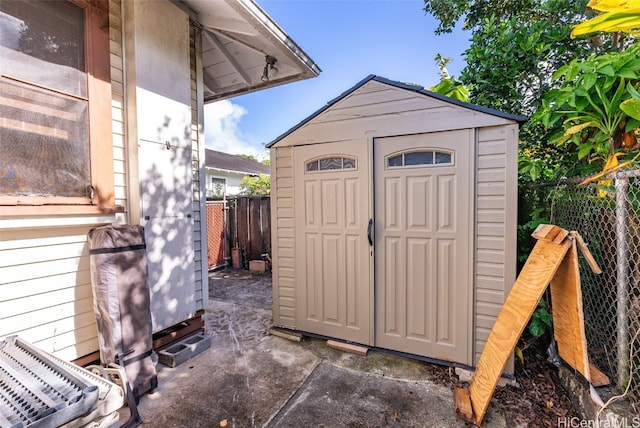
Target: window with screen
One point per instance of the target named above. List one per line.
(218, 186)
(50, 89)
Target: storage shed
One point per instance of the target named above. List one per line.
(394, 221)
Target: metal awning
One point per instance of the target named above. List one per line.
(244, 50)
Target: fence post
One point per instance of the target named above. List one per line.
(226, 249)
(622, 279)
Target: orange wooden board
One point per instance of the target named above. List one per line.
(549, 232)
(597, 377)
(568, 316)
(463, 404)
(348, 347)
(541, 266)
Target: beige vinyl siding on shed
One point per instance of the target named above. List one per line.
(377, 109)
(496, 193)
(45, 282)
(283, 237)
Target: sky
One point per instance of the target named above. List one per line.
(348, 40)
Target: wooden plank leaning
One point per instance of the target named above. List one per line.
(568, 313)
(554, 261)
(568, 316)
(542, 264)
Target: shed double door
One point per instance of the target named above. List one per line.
(333, 261)
(403, 280)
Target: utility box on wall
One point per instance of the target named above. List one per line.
(394, 220)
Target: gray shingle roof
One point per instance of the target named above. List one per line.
(229, 162)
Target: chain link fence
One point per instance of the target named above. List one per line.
(216, 223)
(607, 215)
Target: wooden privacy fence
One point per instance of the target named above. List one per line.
(239, 222)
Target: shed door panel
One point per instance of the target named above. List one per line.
(333, 261)
(423, 223)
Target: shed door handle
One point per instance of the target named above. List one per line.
(370, 231)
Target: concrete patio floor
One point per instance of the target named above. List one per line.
(249, 378)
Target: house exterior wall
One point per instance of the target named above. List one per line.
(233, 180)
(160, 98)
(45, 284)
(377, 110)
(45, 288)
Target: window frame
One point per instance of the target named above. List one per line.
(433, 151)
(318, 160)
(99, 95)
(224, 184)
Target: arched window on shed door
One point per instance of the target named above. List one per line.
(420, 158)
(330, 163)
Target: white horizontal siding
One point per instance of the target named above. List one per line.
(49, 298)
(45, 289)
(42, 285)
(45, 283)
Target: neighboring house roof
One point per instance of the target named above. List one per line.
(413, 88)
(238, 40)
(233, 163)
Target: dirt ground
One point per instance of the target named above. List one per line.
(537, 400)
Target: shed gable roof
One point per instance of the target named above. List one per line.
(234, 163)
(362, 110)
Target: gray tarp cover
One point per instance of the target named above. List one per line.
(121, 301)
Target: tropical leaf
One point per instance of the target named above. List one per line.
(613, 5)
(577, 128)
(631, 107)
(584, 150)
(618, 15)
(632, 124)
(589, 80)
(634, 93)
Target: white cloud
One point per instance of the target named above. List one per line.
(222, 130)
